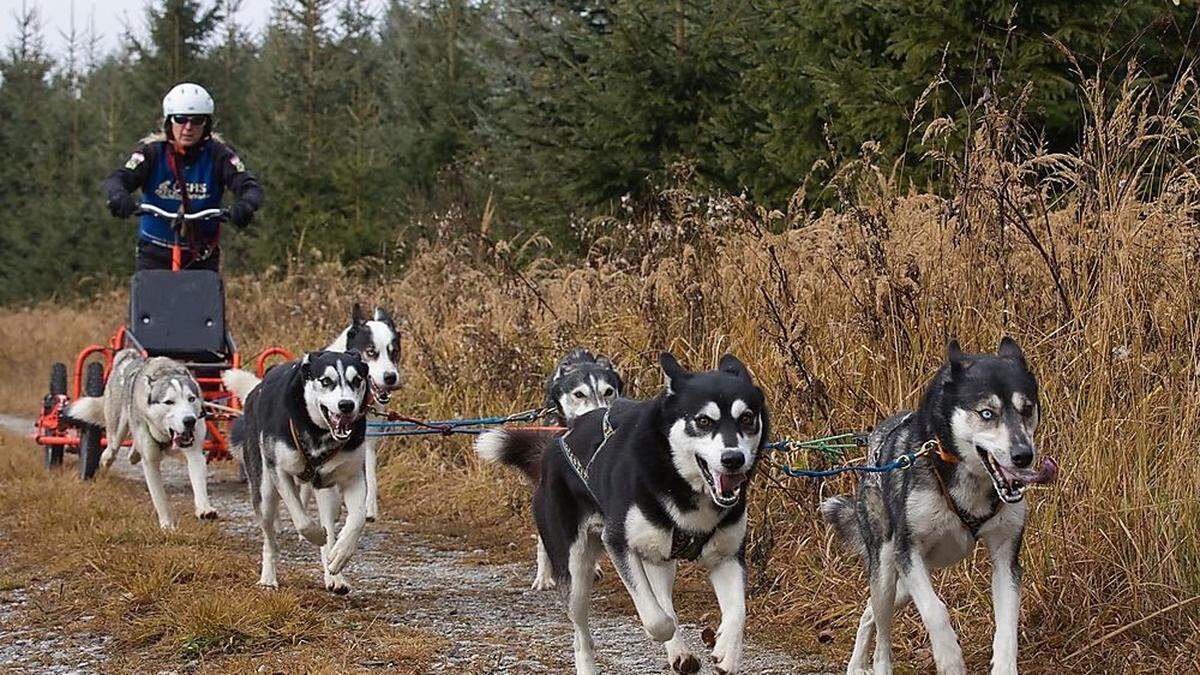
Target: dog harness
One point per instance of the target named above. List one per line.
(688, 545)
(572, 459)
(972, 523)
(312, 465)
(684, 545)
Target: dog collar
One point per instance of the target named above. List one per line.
(942, 453)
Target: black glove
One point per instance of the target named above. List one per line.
(122, 205)
(241, 213)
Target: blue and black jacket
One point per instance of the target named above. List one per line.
(209, 168)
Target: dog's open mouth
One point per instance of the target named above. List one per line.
(726, 488)
(182, 439)
(340, 425)
(1010, 483)
(380, 393)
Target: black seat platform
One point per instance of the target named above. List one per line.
(180, 314)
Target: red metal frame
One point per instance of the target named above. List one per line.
(52, 430)
(260, 361)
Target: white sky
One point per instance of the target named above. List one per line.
(109, 18)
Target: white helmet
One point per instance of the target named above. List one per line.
(187, 99)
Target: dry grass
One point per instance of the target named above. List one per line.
(179, 598)
(1089, 260)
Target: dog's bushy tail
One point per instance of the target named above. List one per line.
(87, 410)
(519, 448)
(842, 513)
(240, 382)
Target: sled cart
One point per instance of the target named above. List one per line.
(178, 313)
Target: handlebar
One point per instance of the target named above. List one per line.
(199, 215)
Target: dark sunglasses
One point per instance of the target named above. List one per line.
(196, 120)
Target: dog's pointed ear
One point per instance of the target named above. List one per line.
(956, 358)
(673, 371)
(306, 366)
(382, 316)
(732, 365)
(1009, 349)
(605, 362)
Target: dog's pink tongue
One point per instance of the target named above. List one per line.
(728, 482)
(1047, 472)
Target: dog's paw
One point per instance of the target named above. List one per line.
(727, 655)
(598, 574)
(314, 533)
(268, 581)
(544, 581)
(134, 457)
(336, 584)
(168, 525)
(723, 669)
(207, 514)
(107, 458)
(686, 662)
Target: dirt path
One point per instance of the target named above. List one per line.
(493, 622)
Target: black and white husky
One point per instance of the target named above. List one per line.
(158, 403)
(305, 423)
(581, 382)
(651, 482)
(378, 343)
(977, 421)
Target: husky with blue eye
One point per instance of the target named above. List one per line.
(305, 423)
(650, 482)
(976, 422)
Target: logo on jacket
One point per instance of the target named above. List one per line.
(167, 190)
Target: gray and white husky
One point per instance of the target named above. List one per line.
(158, 403)
(305, 423)
(651, 482)
(977, 420)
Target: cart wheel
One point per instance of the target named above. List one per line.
(58, 386)
(89, 437)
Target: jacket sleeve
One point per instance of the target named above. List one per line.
(132, 175)
(236, 178)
